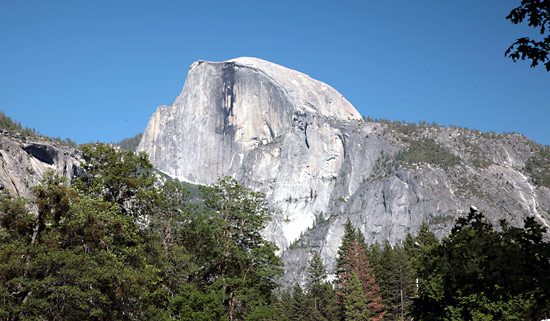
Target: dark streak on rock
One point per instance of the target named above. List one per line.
(226, 100)
(271, 133)
(343, 140)
(228, 79)
(305, 134)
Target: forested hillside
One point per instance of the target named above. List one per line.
(8, 126)
(130, 143)
(119, 244)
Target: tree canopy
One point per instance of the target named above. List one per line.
(537, 15)
(121, 245)
(124, 244)
(479, 273)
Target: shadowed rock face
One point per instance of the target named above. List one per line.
(302, 144)
(43, 153)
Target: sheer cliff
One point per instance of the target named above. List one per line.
(319, 163)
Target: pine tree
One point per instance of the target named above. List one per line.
(405, 282)
(316, 275)
(358, 264)
(316, 272)
(284, 305)
(479, 273)
(325, 301)
(396, 281)
(356, 307)
(376, 258)
(301, 309)
(343, 251)
(424, 239)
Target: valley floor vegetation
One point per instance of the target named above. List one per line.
(119, 243)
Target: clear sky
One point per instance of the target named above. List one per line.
(97, 70)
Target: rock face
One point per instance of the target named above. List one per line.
(250, 118)
(319, 163)
(24, 162)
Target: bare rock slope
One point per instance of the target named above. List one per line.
(24, 161)
(319, 163)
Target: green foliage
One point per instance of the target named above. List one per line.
(418, 151)
(301, 305)
(15, 128)
(119, 177)
(316, 272)
(350, 235)
(395, 268)
(538, 167)
(395, 275)
(237, 259)
(537, 13)
(323, 298)
(478, 273)
(422, 242)
(119, 245)
(12, 126)
(358, 265)
(426, 151)
(81, 260)
(194, 304)
(353, 262)
(402, 126)
(355, 308)
(317, 301)
(15, 219)
(171, 222)
(130, 144)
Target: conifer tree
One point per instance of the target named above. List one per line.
(316, 275)
(423, 240)
(405, 282)
(345, 245)
(301, 309)
(479, 273)
(325, 301)
(356, 308)
(358, 264)
(284, 305)
(376, 258)
(396, 279)
(316, 272)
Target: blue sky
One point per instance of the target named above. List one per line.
(97, 70)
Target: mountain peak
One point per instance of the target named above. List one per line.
(307, 95)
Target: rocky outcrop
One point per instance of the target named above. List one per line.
(23, 162)
(387, 197)
(43, 153)
(319, 163)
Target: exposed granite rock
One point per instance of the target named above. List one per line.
(23, 162)
(303, 145)
(275, 127)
